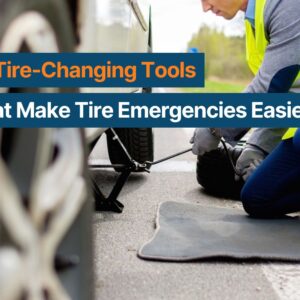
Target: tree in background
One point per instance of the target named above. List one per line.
(225, 55)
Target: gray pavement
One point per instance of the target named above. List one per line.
(120, 274)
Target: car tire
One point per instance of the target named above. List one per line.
(78, 280)
(137, 141)
(216, 175)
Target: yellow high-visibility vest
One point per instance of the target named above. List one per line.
(256, 44)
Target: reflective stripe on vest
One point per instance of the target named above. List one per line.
(256, 44)
(290, 133)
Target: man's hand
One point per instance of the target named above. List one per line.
(204, 141)
(248, 161)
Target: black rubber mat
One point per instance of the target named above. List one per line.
(187, 232)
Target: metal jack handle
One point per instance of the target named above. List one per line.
(149, 164)
(111, 203)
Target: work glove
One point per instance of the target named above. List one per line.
(204, 140)
(249, 160)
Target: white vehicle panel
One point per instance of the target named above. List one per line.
(116, 28)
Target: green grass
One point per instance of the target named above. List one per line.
(212, 86)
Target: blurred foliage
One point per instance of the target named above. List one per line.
(225, 55)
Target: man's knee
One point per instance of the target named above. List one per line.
(254, 206)
(247, 201)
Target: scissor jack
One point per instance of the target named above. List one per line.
(111, 203)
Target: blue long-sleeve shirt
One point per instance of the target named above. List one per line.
(250, 12)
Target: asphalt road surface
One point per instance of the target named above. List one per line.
(120, 274)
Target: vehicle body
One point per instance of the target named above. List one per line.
(120, 26)
(48, 157)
